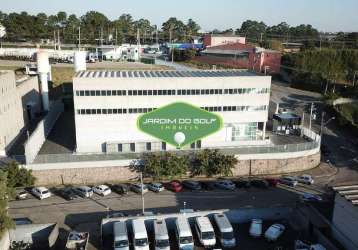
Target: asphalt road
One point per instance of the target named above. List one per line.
(86, 214)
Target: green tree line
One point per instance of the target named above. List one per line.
(202, 163)
(11, 176)
(323, 68)
(94, 27)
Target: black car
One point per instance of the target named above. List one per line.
(120, 188)
(242, 183)
(259, 183)
(208, 185)
(192, 185)
(67, 194)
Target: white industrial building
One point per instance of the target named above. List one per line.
(108, 103)
(20, 100)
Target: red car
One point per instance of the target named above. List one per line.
(174, 186)
(272, 181)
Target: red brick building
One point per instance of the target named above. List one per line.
(242, 56)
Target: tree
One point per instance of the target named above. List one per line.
(5, 221)
(174, 27)
(18, 177)
(252, 29)
(152, 165)
(94, 25)
(212, 162)
(192, 28)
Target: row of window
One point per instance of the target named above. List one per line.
(131, 147)
(145, 110)
(172, 92)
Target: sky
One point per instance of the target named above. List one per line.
(325, 15)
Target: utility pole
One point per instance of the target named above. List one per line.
(141, 187)
(79, 37)
(261, 34)
(354, 77)
(116, 36)
(171, 44)
(58, 39)
(54, 38)
(310, 126)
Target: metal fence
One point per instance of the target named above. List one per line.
(247, 150)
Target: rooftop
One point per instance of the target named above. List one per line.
(161, 74)
(349, 192)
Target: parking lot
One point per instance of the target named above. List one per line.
(85, 214)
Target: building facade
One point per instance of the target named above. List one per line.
(345, 216)
(19, 102)
(242, 56)
(210, 40)
(108, 103)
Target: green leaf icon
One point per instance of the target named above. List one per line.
(179, 123)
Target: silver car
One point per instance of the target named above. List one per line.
(155, 187)
(289, 181)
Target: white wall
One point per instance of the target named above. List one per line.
(94, 130)
(38, 137)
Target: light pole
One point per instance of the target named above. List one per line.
(323, 124)
(141, 187)
(311, 116)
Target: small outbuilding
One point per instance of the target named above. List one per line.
(286, 123)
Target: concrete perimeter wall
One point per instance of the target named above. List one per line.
(38, 137)
(117, 171)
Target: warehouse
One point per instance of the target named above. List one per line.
(108, 103)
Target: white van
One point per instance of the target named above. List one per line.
(205, 231)
(140, 237)
(120, 236)
(226, 232)
(161, 236)
(183, 234)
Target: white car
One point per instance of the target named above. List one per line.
(305, 179)
(256, 228)
(274, 231)
(102, 190)
(225, 184)
(41, 192)
(155, 187)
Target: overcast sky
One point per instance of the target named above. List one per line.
(326, 15)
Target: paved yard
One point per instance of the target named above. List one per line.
(86, 214)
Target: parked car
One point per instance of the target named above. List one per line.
(289, 181)
(137, 188)
(120, 188)
(272, 181)
(255, 228)
(102, 190)
(305, 179)
(22, 221)
(225, 184)
(41, 192)
(21, 195)
(208, 185)
(174, 186)
(242, 183)
(259, 183)
(117, 215)
(84, 191)
(67, 194)
(192, 185)
(155, 187)
(274, 231)
(310, 197)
